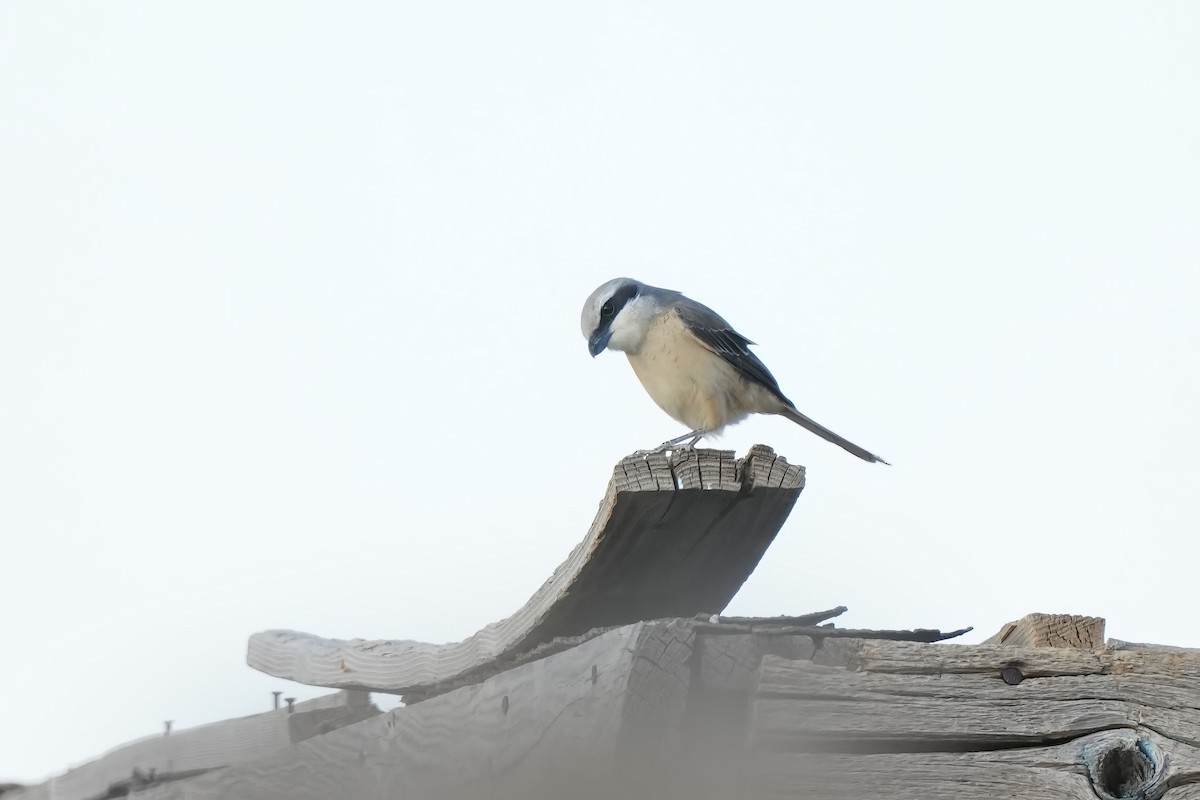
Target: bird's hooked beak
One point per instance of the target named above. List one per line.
(598, 341)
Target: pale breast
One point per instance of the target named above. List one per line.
(685, 378)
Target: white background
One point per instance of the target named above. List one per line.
(289, 317)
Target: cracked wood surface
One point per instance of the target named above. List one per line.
(1051, 630)
(669, 540)
(596, 721)
(858, 719)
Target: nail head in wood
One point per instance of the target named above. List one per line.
(1011, 675)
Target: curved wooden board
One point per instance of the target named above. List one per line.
(669, 540)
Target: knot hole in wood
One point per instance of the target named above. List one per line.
(1123, 771)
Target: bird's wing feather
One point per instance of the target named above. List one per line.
(717, 335)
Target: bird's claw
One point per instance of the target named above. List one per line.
(679, 446)
(672, 450)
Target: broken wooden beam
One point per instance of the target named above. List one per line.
(672, 538)
(1051, 630)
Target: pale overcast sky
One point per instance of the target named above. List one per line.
(289, 317)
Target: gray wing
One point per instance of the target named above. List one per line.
(717, 335)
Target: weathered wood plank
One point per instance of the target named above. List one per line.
(1152, 683)
(1071, 771)
(1180, 667)
(1120, 644)
(905, 692)
(655, 705)
(852, 725)
(596, 721)
(669, 540)
(732, 662)
(1051, 630)
(898, 719)
(204, 748)
(687, 708)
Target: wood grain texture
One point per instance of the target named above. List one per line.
(1121, 644)
(1051, 630)
(1069, 771)
(655, 705)
(596, 721)
(732, 662)
(902, 719)
(917, 658)
(204, 748)
(671, 539)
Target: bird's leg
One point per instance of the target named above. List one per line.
(677, 444)
(672, 444)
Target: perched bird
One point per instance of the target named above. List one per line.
(695, 366)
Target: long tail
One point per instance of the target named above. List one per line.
(829, 436)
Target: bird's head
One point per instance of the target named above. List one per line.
(617, 315)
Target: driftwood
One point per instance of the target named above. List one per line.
(670, 539)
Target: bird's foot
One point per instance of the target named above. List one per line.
(665, 448)
(677, 444)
